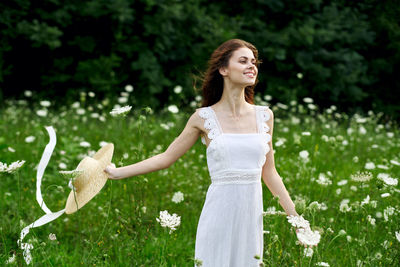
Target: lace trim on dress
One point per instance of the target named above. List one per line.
(264, 116)
(237, 177)
(210, 124)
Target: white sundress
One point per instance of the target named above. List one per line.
(230, 228)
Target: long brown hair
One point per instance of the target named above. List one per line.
(213, 83)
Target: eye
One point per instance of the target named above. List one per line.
(242, 61)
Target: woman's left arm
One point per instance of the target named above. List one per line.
(272, 179)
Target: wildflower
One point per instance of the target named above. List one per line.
(348, 238)
(344, 207)
(144, 209)
(170, 221)
(178, 89)
(315, 205)
(323, 180)
(342, 182)
(122, 100)
(389, 211)
(321, 263)
(312, 106)
(76, 105)
(28, 93)
(45, 103)
(362, 130)
(173, 109)
(62, 165)
(52, 237)
(397, 235)
(29, 139)
(342, 232)
(80, 111)
(13, 167)
(84, 144)
(361, 176)
(120, 111)
(361, 120)
(355, 159)
(11, 149)
(385, 195)
(371, 220)
(91, 94)
(304, 154)
(306, 133)
(164, 126)
(395, 162)
(384, 167)
(365, 201)
(308, 252)
(295, 120)
(11, 259)
(299, 75)
(42, 112)
(298, 221)
(369, 166)
(387, 179)
(281, 106)
(103, 143)
(178, 197)
(129, 88)
(308, 100)
(308, 237)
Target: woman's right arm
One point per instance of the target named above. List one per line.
(176, 149)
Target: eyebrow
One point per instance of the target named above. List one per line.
(247, 57)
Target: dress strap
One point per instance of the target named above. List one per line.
(262, 117)
(210, 123)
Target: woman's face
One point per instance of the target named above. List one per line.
(241, 68)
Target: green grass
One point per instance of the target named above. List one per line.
(113, 229)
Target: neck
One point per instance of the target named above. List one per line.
(233, 100)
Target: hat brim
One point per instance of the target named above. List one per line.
(92, 179)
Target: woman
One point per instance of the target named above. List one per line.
(238, 136)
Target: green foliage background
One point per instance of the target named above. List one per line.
(347, 51)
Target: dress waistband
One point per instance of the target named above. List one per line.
(237, 177)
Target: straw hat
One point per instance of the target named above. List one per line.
(91, 180)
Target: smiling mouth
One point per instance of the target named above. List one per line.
(250, 74)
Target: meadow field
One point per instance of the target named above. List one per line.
(341, 171)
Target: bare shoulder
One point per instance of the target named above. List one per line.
(195, 121)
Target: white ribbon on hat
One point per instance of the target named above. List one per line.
(49, 216)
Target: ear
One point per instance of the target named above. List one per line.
(223, 71)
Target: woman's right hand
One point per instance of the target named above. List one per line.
(111, 171)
